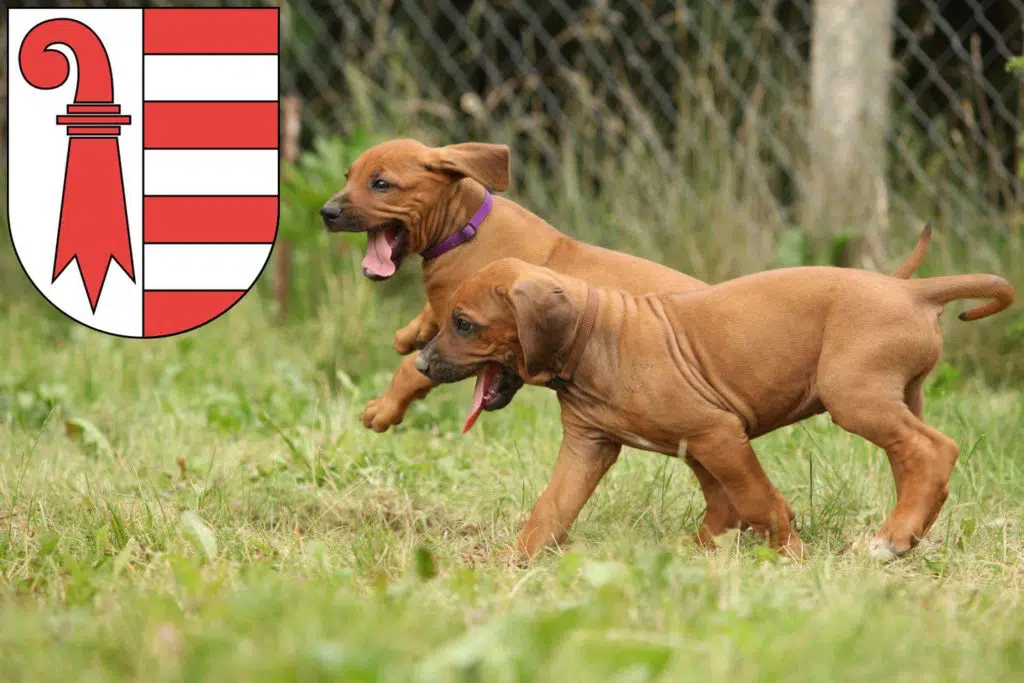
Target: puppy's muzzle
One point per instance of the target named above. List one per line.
(332, 215)
(441, 371)
(330, 212)
(338, 217)
(438, 369)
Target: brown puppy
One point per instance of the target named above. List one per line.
(715, 368)
(410, 198)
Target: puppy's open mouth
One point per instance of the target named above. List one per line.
(385, 247)
(495, 387)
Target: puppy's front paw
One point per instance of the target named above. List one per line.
(406, 340)
(381, 414)
(426, 333)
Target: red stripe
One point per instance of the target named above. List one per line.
(81, 120)
(210, 125)
(94, 109)
(94, 130)
(239, 31)
(168, 313)
(209, 220)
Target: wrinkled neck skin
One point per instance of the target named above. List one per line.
(455, 205)
(495, 239)
(607, 397)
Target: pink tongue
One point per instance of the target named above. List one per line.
(378, 254)
(484, 379)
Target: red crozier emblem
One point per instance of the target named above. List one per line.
(93, 219)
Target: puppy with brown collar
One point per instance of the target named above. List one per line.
(713, 369)
(436, 201)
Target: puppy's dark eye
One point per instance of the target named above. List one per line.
(380, 185)
(463, 326)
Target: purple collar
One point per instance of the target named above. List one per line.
(465, 233)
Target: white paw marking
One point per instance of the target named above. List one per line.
(880, 550)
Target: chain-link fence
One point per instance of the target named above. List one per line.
(670, 106)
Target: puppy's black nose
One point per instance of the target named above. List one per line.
(329, 212)
(422, 361)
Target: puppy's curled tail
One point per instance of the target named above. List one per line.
(942, 290)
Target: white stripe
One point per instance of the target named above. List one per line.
(203, 266)
(210, 77)
(211, 172)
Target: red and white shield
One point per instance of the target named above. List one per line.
(143, 160)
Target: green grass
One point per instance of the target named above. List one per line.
(210, 508)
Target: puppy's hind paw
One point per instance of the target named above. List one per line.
(884, 550)
(880, 551)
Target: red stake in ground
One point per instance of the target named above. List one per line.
(93, 218)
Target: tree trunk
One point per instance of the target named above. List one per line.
(851, 56)
(291, 132)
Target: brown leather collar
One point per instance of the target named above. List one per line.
(584, 327)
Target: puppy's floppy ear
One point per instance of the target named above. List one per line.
(545, 317)
(490, 165)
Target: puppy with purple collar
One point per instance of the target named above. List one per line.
(436, 201)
